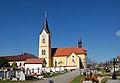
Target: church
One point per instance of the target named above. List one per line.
(56, 57)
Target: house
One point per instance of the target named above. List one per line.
(19, 59)
(68, 56)
(34, 65)
(118, 58)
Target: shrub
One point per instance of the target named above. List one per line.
(90, 78)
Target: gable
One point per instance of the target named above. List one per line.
(72, 54)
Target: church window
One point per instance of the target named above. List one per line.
(55, 63)
(43, 52)
(20, 64)
(43, 41)
(73, 59)
(32, 70)
(15, 64)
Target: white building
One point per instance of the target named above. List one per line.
(19, 59)
(34, 66)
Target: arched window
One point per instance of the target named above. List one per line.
(43, 41)
(20, 64)
(15, 64)
(55, 63)
(73, 59)
(43, 52)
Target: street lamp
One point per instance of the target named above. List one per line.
(114, 74)
(106, 67)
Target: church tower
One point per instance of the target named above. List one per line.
(45, 43)
(79, 42)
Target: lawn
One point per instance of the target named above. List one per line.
(32, 79)
(8, 81)
(77, 79)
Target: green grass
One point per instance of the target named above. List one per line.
(77, 79)
(9, 81)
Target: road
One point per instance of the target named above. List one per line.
(63, 78)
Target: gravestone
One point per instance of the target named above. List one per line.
(17, 74)
(0, 78)
(22, 75)
(14, 79)
(87, 81)
(40, 77)
(8, 75)
(113, 81)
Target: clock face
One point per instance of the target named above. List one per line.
(43, 35)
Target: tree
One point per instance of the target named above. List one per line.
(4, 62)
(14, 66)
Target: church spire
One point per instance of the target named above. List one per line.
(79, 42)
(45, 25)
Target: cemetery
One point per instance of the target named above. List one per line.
(102, 75)
(20, 75)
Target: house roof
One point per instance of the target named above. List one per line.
(67, 51)
(21, 57)
(118, 57)
(34, 61)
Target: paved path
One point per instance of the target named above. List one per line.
(100, 78)
(63, 78)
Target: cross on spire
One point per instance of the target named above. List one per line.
(45, 14)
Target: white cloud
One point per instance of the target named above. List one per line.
(118, 33)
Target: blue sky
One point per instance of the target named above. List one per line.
(96, 21)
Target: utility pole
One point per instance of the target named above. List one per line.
(114, 74)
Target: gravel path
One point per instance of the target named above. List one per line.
(63, 78)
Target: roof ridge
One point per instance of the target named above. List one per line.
(66, 47)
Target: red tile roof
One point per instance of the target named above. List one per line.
(67, 51)
(34, 61)
(118, 57)
(21, 57)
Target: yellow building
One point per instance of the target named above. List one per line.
(69, 56)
